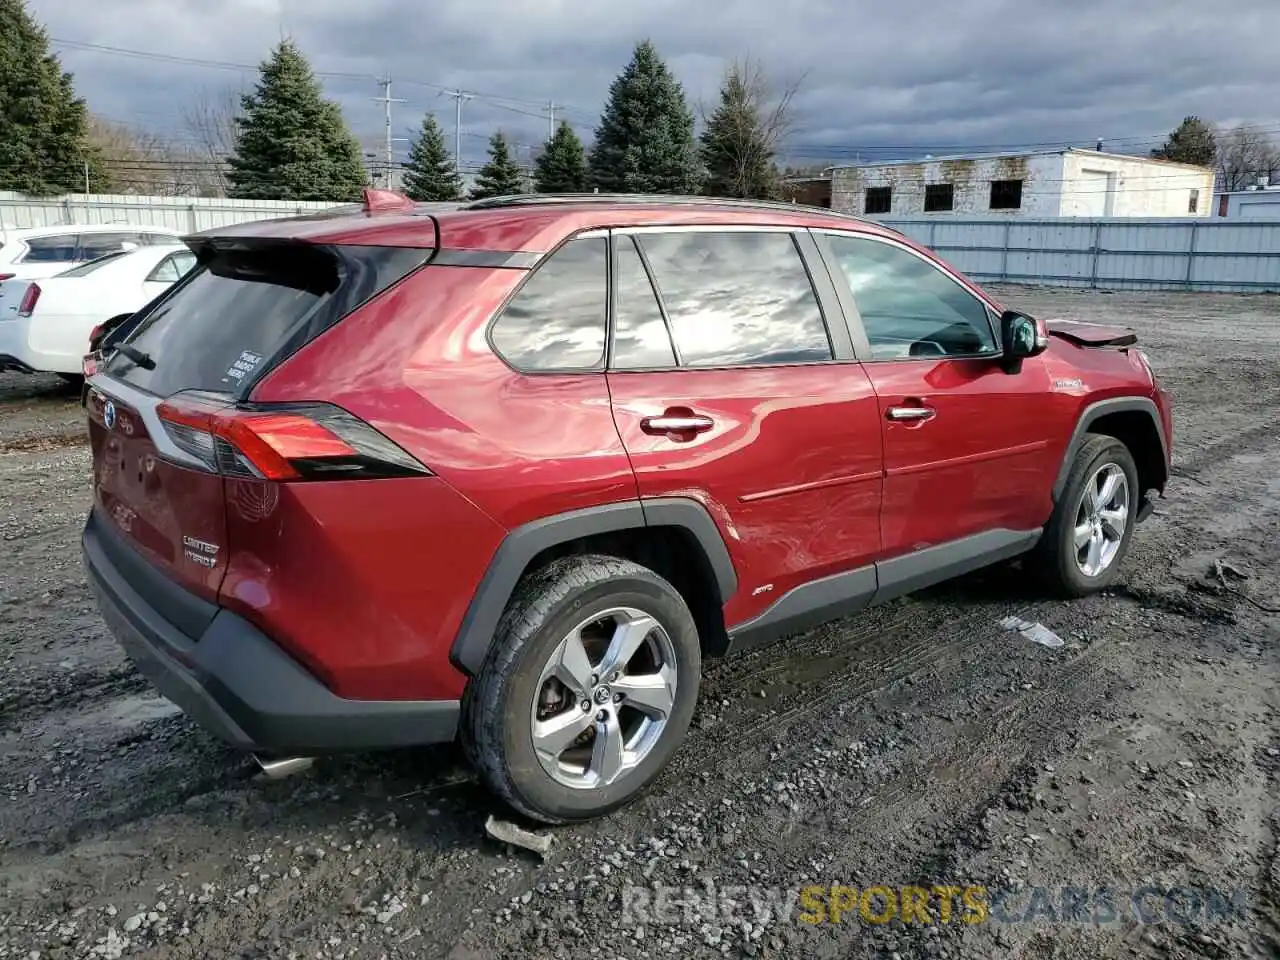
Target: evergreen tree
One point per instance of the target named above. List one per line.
(291, 143)
(499, 177)
(738, 143)
(431, 173)
(645, 143)
(1192, 142)
(562, 168)
(44, 146)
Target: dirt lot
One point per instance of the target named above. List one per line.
(919, 744)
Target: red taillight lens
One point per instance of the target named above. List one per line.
(89, 366)
(94, 334)
(29, 300)
(296, 442)
(6, 276)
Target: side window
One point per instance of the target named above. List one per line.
(57, 248)
(557, 320)
(909, 307)
(94, 245)
(171, 268)
(640, 337)
(737, 298)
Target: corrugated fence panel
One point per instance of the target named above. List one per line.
(188, 214)
(1168, 254)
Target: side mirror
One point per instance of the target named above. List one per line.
(1020, 337)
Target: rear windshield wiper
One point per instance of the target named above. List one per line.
(140, 357)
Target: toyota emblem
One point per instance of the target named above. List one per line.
(109, 415)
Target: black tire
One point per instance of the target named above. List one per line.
(497, 723)
(1055, 557)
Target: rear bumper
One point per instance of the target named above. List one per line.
(231, 678)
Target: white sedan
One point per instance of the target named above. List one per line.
(32, 253)
(45, 324)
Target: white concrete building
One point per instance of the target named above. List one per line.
(1057, 183)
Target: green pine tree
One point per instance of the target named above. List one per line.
(1192, 142)
(645, 143)
(431, 173)
(499, 177)
(44, 146)
(737, 148)
(562, 168)
(292, 144)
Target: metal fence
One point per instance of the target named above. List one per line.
(1117, 254)
(187, 214)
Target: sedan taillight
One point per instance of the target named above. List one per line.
(29, 300)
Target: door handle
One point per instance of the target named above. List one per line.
(674, 423)
(910, 414)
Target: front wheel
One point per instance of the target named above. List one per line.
(588, 689)
(1088, 535)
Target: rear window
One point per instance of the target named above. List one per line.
(244, 307)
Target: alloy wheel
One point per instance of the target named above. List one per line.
(604, 698)
(1101, 518)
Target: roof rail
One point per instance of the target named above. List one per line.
(663, 199)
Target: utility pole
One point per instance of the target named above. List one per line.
(551, 120)
(459, 96)
(387, 100)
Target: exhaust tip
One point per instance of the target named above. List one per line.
(279, 768)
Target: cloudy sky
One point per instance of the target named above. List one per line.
(879, 78)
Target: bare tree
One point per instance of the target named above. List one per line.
(140, 162)
(210, 122)
(1245, 153)
(741, 137)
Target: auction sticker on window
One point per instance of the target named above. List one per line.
(243, 365)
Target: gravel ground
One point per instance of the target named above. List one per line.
(918, 744)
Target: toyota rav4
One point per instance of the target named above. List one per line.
(510, 472)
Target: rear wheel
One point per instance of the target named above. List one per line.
(1088, 535)
(588, 690)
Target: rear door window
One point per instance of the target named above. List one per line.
(55, 248)
(737, 298)
(640, 336)
(94, 245)
(244, 308)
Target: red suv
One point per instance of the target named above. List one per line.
(509, 472)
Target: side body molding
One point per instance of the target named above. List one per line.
(848, 592)
(524, 543)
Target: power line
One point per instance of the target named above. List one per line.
(231, 65)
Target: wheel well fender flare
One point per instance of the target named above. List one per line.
(522, 544)
(1093, 413)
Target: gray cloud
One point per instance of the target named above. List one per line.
(881, 77)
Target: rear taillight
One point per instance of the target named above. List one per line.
(288, 442)
(95, 334)
(29, 300)
(6, 276)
